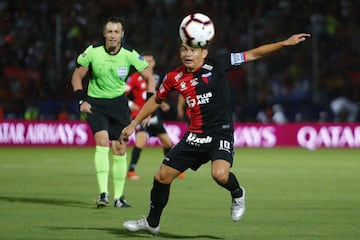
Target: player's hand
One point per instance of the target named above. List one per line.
(146, 121)
(125, 134)
(296, 38)
(85, 107)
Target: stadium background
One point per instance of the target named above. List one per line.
(39, 42)
(292, 193)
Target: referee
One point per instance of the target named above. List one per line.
(106, 105)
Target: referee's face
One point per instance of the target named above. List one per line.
(192, 58)
(113, 33)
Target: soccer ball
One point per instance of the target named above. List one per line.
(196, 30)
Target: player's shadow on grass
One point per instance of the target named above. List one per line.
(53, 201)
(123, 233)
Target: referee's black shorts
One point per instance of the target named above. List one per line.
(111, 115)
(194, 149)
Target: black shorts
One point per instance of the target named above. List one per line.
(111, 115)
(196, 149)
(155, 127)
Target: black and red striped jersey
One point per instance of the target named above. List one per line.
(206, 92)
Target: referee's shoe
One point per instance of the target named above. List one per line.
(103, 200)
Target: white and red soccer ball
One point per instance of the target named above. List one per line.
(196, 30)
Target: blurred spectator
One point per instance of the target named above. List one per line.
(278, 114)
(344, 110)
(39, 41)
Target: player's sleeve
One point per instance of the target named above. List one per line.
(138, 61)
(84, 59)
(164, 88)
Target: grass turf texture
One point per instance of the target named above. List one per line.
(290, 194)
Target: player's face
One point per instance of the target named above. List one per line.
(113, 33)
(192, 58)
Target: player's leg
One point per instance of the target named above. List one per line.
(159, 197)
(99, 125)
(101, 159)
(182, 156)
(118, 111)
(220, 172)
(165, 142)
(119, 173)
(140, 142)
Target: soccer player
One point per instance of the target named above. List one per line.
(202, 82)
(106, 105)
(137, 88)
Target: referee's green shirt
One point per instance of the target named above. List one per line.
(108, 73)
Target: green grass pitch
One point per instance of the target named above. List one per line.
(50, 193)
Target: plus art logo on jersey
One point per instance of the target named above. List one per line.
(200, 99)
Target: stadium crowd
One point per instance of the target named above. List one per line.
(39, 42)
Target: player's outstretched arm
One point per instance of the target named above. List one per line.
(266, 49)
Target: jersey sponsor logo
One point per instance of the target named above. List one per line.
(207, 67)
(200, 99)
(194, 140)
(204, 98)
(122, 72)
(83, 54)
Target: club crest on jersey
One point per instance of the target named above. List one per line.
(205, 77)
(122, 72)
